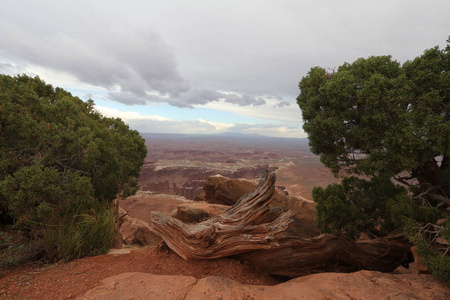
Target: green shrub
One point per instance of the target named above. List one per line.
(16, 248)
(357, 205)
(61, 165)
(85, 234)
(425, 237)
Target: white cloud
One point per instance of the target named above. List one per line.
(158, 124)
(219, 127)
(270, 111)
(126, 115)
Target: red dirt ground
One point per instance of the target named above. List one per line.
(72, 279)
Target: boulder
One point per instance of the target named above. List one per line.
(121, 214)
(229, 191)
(210, 188)
(368, 285)
(201, 196)
(419, 260)
(141, 286)
(304, 213)
(137, 232)
(196, 212)
(141, 205)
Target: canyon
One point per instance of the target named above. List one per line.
(180, 164)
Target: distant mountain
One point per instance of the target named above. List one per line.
(224, 135)
(237, 134)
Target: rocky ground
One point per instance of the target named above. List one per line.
(73, 279)
(360, 285)
(152, 274)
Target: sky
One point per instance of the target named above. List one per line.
(206, 67)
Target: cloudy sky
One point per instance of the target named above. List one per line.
(206, 66)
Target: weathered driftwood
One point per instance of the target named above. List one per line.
(258, 234)
(332, 253)
(246, 226)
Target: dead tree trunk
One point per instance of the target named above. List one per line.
(246, 226)
(251, 225)
(332, 253)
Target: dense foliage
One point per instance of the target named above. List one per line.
(61, 165)
(383, 120)
(358, 205)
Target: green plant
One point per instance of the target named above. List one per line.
(432, 243)
(61, 165)
(376, 117)
(77, 235)
(15, 249)
(388, 122)
(357, 205)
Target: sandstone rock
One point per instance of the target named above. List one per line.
(304, 213)
(366, 285)
(139, 286)
(118, 241)
(195, 212)
(137, 232)
(210, 187)
(121, 251)
(122, 213)
(201, 196)
(229, 191)
(222, 288)
(140, 206)
(419, 260)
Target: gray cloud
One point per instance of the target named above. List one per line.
(135, 63)
(7, 68)
(136, 68)
(187, 99)
(242, 127)
(128, 98)
(200, 96)
(282, 103)
(244, 100)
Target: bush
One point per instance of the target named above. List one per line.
(357, 205)
(81, 234)
(16, 248)
(61, 165)
(432, 244)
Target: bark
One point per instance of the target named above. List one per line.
(251, 225)
(332, 253)
(246, 226)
